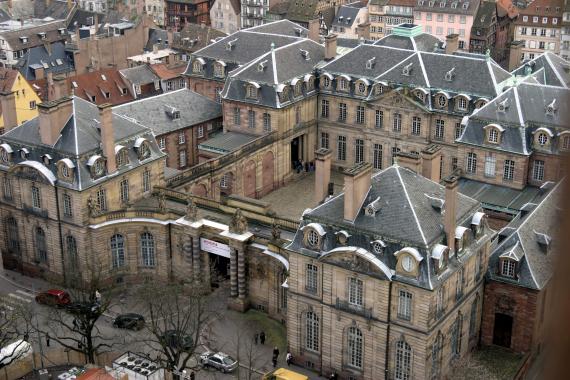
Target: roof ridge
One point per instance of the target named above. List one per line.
(411, 204)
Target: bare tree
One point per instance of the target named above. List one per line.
(75, 325)
(176, 316)
(15, 332)
(247, 350)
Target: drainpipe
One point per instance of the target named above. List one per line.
(387, 359)
(60, 235)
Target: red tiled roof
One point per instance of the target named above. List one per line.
(97, 82)
(165, 71)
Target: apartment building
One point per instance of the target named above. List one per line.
(385, 15)
(565, 32)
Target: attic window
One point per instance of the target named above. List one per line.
(59, 62)
(450, 75)
(466, 5)
(230, 45)
(407, 69)
(378, 246)
(42, 35)
(45, 65)
(24, 39)
(298, 31)
(370, 63)
(305, 54)
(262, 65)
(503, 105)
(372, 208)
(61, 31)
(551, 108)
(543, 241)
(172, 112)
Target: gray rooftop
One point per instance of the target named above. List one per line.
(549, 68)
(139, 75)
(226, 142)
(346, 15)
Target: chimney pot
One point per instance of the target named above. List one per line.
(410, 161)
(53, 115)
(450, 211)
(451, 43)
(9, 114)
(323, 159)
(107, 136)
(330, 47)
(356, 185)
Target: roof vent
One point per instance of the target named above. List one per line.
(551, 108)
(450, 74)
(543, 240)
(172, 112)
(370, 63)
(437, 204)
(407, 69)
(526, 208)
(305, 54)
(298, 31)
(230, 45)
(372, 208)
(503, 105)
(262, 65)
(348, 20)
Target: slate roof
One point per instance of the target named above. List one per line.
(139, 75)
(165, 71)
(226, 142)
(549, 68)
(535, 264)
(525, 112)
(482, 20)
(153, 112)
(422, 42)
(346, 15)
(80, 139)
(37, 56)
(95, 83)
(156, 36)
(302, 10)
(56, 9)
(51, 30)
(194, 37)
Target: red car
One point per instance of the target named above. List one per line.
(54, 297)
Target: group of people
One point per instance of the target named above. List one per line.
(301, 166)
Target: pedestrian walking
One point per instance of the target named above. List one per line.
(262, 337)
(333, 376)
(256, 338)
(192, 375)
(288, 359)
(47, 340)
(274, 361)
(275, 352)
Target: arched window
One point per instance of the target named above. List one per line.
(326, 82)
(197, 66)
(41, 245)
(71, 245)
(299, 88)
(493, 135)
(12, 235)
(542, 138)
(312, 331)
(117, 251)
(403, 361)
(122, 158)
(147, 250)
(144, 151)
(355, 343)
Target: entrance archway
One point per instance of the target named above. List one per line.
(249, 180)
(268, 171)
(503, 330)
(295, 152)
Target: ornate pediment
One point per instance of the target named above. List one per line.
(397, 99)
(354, 262)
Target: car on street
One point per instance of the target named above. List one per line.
(129, 321)
(53, 297)
(174, 339)
(83, 308)
(218, 360)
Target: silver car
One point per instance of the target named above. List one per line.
(218, 360)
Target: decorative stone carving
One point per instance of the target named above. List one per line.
(191, 210)
(238, 224)
(275, 231)
(92, 207)
(162, 201)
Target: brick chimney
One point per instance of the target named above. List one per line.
(410, 161)
(451, 43)
(363, 31)
(53, 115)
(356, 186)
(515, 54)
(59, 87)
(431, 161)
(330, 47)
(107, 136)
(8, 102)
(323, 159)
(450, 210)
(314, 28)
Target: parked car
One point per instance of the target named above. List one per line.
(218, 360)
(54, 297)
(129, 321)
(81, 307)
(174, 339)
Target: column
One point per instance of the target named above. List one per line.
(196, 257)
(233, 272)
(241, 273)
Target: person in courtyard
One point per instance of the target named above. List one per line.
(275, 352)
(255, 338)
(47, 340)
(262, 337)
(288, 359)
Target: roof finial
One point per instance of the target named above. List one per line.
(488, 54)
(272, 46)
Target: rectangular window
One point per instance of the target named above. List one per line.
(508, 268)
(67, 208)
(458, 130)
(312, 278)
(490, 162)
(124, 191)
(7, 187)
(182, 158)
(146, 181)
(405, 305)
(377, 156)
(509, 170)
(36, 198)
(459, 284)
(358, 151)
(32, 104)
(324, 140)
(397, 122)
(453, 163)
(342, 112)
(251, 119)
(439, 302)
(538, 170)
(471, 163)
(181, 137)
(101, 199)
(161, 143)
(325, 109)
(355, 290)
(341, 148)
(395, 151)
(439, 129)
(359, 115)
(379, 119)
(267, 122)
(237, 116)
(416, 126)
(439, 17)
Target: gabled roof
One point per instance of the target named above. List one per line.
(550, 68)
(97, 82)
(55, 9)
(302, 10)
(51, 30)
(347, 14)
(157, 36)
(55, 60)
(524, 245)
(166, 71)
(7, 79)
(194, 37)
(139, 75)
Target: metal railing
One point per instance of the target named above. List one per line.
(346, 306)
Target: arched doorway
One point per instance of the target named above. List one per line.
(249, 180)
(268, 172)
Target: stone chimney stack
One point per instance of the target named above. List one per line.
(410, 161)
(431, 162)
(323, 158)
(107, 136)
(314, 28)
(8, 102)
(59, 87)
(330, 47)
(363, 30)
(450, 211)
(356, 186)
(451, 43)
(53, 115)
(515, 54)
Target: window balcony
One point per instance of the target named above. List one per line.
(345, 306)
(42, 213)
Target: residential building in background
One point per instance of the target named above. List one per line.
(141, 81)
(18, 100)
(398, 12)
(302, 12)
(254, 11)
(98, 87)
(443, 18)
(99, 6)
(376, 11)
(182, 12)
(155, 8)
(539, 25)
(565, 32)
(193, 38)
(349, 19)
(225, 15)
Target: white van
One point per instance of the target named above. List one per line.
(14, 351)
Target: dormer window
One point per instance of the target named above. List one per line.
(378, 89)
(551, 108)
(461, 238)
(24, 39)
(343, 84)
(441, 101)
(503, 105)
(121, 156)
(231, 44)
(493, 136)
(284, 95)
(462, 103)
(543, 240)
(305, 54)
(251, 91)
(143, 148)
(361, 88)
(508, 268)
(372, 208)
(24, 153)
(407, 70)
(408, 259)
(565, 141)
(5, 152)
(480, 103)
(310, 80)
(494, 132)
(370, 63)
(197, 66)
(42, 35)
(261, 66)
(312, 235)
(542, 138)
(97, 164)
(450, 75)
(219, 69)
(298, 87)
(378, 247)
(421, 95)
(46, 158)
(342, 237)
(440, 256)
